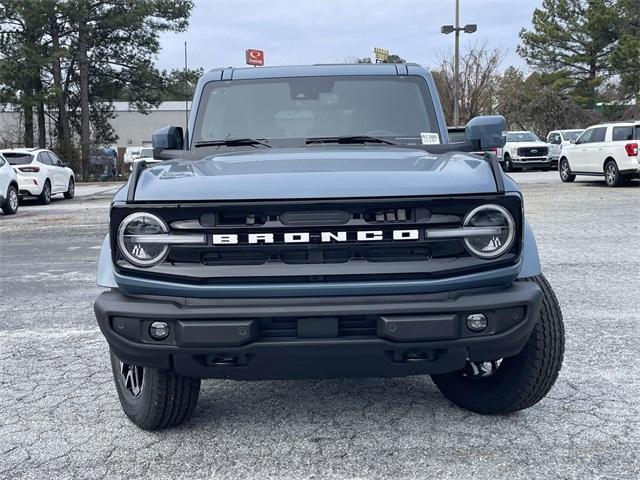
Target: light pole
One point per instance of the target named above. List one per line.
(447, 29)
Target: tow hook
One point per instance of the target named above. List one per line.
(417, 357)
(223, 361)
(414, 356)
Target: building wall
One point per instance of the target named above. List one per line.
(11, 127)
(132, 127)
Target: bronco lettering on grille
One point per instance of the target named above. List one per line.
(322, 237)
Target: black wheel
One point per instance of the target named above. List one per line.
(71, 189)
(10, 206)
(45, 196)
(501, 386)
(507, 166)
(154, 398)
(565, 171)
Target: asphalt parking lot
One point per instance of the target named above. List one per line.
(60, 416)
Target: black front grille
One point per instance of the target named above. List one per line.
(316, 259)
(533, 151)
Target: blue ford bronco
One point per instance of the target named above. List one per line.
(316, 222)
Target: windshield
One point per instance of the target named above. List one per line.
(393, 107)
(515, 137)
(17, 158)
(572, 135)
(146, 153)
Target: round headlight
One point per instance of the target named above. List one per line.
(130, 239)
(495, 244)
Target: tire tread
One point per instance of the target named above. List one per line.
(527, 377)
(6, 208)
(170, 401)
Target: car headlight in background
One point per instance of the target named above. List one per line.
(494, 244)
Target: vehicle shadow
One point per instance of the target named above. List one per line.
(342, 403)
(601, 184)
(33, 202)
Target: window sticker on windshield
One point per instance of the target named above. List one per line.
(429, 138)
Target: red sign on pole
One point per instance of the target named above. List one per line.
(255, 57)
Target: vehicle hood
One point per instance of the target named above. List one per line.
(316, 172)
(528, 145)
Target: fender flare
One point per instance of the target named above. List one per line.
(530, 256)
(105, 277)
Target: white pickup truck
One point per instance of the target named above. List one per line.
(524, 150)
(557, 140)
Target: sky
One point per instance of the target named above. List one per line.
(312, 31)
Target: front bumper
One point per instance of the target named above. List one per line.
(532, 162)
(319, 337)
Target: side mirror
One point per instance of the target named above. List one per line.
(168, 138)
(488, 131)
(573, 140)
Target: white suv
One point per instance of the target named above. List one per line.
(8, 188)
(609, 150)
(524, 149)
(557, 139)
(41, 173)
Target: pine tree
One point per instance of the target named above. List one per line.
(577, 38)
(626, 58)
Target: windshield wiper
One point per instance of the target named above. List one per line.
(350, 140)
(233, 142)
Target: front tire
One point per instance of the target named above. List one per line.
(507, 166)
(565, 171)
(507, 385)
(153, 398)
(10, 206)
(45, 196)
(71, 189)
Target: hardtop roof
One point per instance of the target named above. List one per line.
(247, 73)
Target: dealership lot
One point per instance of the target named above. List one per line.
(60, 416)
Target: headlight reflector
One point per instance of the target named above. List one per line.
(142, 254)
(494, 245)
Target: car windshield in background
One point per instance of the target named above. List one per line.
(146, 153)
(395, 108)
(16, 158)
(515, 137)
(573, 135)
